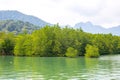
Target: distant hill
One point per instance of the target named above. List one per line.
(114, 30)
(17, 26)
(89, 27)
(16, 15)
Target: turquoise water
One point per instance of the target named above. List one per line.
(59, 68)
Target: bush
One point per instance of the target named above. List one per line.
(7, 46)
(92, 51)
(71, 52)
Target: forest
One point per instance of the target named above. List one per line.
(17, 26)
(54, 41)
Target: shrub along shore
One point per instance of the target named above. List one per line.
(55, 41)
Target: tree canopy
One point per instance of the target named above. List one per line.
(17, 26)
(57, 41)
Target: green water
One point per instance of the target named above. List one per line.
(56, 68)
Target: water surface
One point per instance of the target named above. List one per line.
(59, 68)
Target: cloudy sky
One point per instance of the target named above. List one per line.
(64, 12)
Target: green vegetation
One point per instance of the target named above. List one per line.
(57, 41)
(71, 52)
(17, 26)
(6, 43)
(92, 51)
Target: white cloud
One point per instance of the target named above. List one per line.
(102, 12)
(109, 15)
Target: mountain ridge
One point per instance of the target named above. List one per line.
(86, 26)
(90, 27)
(16, 15)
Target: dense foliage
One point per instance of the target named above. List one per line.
(71, 52)
(57, 41)
(16, 26)
(6, 43)
(92, 51)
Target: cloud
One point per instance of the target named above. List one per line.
(109, 15)
(87, 8)
(102, 12)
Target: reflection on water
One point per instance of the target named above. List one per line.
(52, 68)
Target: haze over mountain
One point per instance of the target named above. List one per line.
(87, 27)
(114, 30)
(16, 15)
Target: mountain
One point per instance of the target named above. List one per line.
(16, 15)
(17, 26)
(89, 27)
(114, 30)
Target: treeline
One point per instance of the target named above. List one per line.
(17, 26)
(57, 41)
